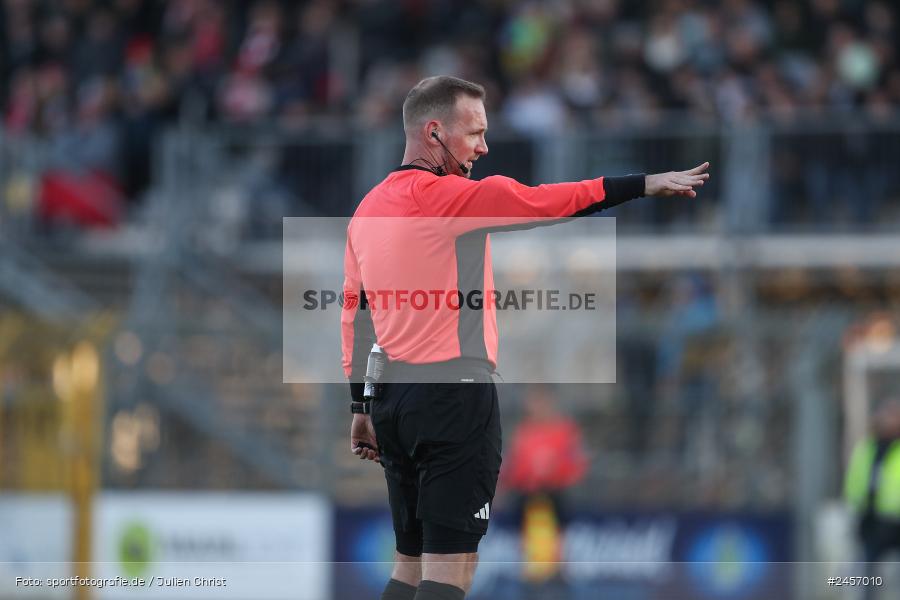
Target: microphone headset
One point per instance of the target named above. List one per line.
(462, 167)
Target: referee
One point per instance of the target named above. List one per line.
(435, 427)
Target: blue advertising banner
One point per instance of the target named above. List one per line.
(631, 556)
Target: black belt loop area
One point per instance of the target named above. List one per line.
(450, 371)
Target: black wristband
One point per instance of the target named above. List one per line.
(622, 189)
(356, 390)
(361, 408)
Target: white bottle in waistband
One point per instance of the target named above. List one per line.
(374, 371)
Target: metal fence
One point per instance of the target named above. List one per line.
(829, 175)
(834, 173)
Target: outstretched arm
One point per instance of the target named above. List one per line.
(676, 183)
(503, 197)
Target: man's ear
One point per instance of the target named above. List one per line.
(433, 127)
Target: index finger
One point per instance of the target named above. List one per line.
(698, 169)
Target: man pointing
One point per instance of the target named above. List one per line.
(435, 427)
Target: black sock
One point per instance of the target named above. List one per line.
(397, 590)
(432, 590)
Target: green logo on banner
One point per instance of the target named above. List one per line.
(135, 549)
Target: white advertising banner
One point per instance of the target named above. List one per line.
(35, 544)
(212, 545)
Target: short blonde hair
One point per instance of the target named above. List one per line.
(435, 97)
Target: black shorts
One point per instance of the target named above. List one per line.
(440, 448)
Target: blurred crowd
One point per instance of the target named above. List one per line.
(98, 78)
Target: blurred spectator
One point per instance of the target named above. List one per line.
(637, 361)
(546, 453)
(306, 83)
(684, 367)
(872, 486)
(581, 81)
(535, 108)
(82, 184)
(99, 52)
(546, 459)
(526, 38)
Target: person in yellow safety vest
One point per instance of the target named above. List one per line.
(872, 485)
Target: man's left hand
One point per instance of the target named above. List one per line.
(676, 183)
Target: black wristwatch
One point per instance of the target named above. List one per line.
(361, 408)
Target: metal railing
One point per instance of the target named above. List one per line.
(828, 175)
(834, 173)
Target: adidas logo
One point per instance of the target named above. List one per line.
(485, 512)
